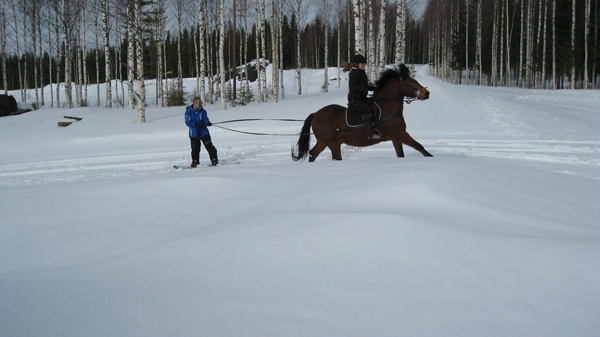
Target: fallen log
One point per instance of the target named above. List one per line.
(75, 118)
(63, 124)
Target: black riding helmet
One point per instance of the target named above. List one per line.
(359, 59)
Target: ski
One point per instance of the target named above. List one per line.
(180, 167)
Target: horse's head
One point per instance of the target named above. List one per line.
(410, 87)
(398, 83)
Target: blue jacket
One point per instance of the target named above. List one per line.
(196, 116)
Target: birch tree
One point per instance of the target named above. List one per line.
(382, 35)
(358, 31)
(300, 10)
(280, 58)
(467, 38)
(222, 51)
(371, 46)
(106, 31)
(587, 33)
(554, 74)
(400, 33)
(274, 54)
(478, 48)
(179, 8)
(16, 31)
(324, 4)
(573, 47)
(139, 47)
(4, 72)
(257, 27)
(83, 51)
(97, 39)
(201, 32)
(131, 53)
(66, 43)
(264, 48)
(544, 45)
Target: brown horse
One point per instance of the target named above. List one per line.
(329, 123)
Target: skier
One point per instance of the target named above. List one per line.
(197, 120)
(359, 87)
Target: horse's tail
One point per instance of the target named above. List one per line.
(300, 151)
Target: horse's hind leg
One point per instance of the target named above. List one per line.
(405, 138)
(315, 151)
(336, 151)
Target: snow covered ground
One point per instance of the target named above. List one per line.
(497, 235)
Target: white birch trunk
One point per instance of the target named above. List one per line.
(495, 45)
(222, 51)
(325, 87)
(587, 33)
(298, 52)
(544, 46)
(96, 34)
(257, 25)
(508, 39)
(400, 33)
(25, 45)
(106, 31)
(201, 33)
(4, 72)
(140, 62)
(50, 64)
(197, 59)
(538, 42)
(529, 60)
(371, 48)
(339, 45)
(573, 47)
(67, 57)
(130, 54)
(554, 74)
(521, 43)
(358, 31)
(382, 36)
(179, 8)
(264, 51)
(280, 58)
(17, 34)
(503, 35)
(83, 54)
(34, 33)
(274, 54)
(479, 32)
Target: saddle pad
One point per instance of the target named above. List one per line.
(354, 117)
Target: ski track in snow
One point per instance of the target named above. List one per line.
(580, 158)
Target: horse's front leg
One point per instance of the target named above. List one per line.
(398, 148)
(405, 138)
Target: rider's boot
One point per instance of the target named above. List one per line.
(369, 128)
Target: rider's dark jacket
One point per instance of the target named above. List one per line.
(358, 84)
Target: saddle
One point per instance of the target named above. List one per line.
(354, 117)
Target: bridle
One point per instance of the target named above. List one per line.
(403, 97)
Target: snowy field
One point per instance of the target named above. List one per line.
(497, 235)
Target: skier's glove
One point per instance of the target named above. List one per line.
(209, 124)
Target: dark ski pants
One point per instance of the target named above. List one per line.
(208, 145)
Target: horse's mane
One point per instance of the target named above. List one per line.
(389, 75)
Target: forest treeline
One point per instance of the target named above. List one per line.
(525, 43)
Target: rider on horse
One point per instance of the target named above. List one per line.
(357, 97)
